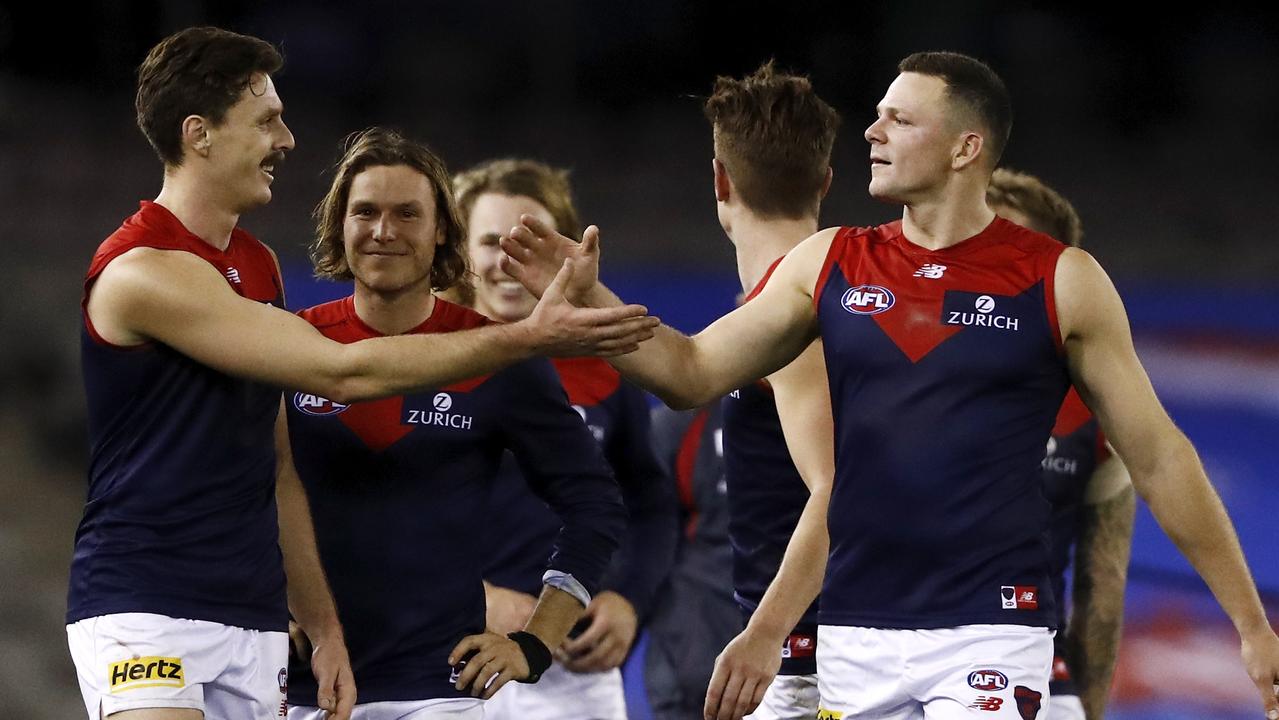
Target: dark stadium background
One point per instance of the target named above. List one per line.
(1159, 127)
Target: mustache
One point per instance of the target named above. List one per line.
(274, 158)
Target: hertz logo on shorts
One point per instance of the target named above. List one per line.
(145, 672)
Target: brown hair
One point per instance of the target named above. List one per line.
(1051, 213)
(975, 87)
(198, 71)
(774, 136)
(547, 185)
(380, 147)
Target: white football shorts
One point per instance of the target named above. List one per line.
(561, 695)
(789, 697)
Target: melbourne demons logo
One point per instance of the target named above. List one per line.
(987, 680)
(867, 300)
(316, 405)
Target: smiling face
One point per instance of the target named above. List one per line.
(390, 230)
(244, 149)
(497, 294)
(913, 140)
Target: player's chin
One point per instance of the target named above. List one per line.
(883, 192)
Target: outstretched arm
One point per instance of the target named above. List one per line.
(179, 300)
(749, 343)
(1164, 466)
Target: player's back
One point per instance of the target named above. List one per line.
(181, 516)
(946, 375)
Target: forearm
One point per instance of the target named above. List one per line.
(1191, 513)
(554, 616)
(386, 366)
(1101, 573)
(799, 579)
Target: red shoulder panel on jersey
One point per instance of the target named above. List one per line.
(686, 465)
(764, 280)
(1073, 414)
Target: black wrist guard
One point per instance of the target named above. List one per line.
(536, 654)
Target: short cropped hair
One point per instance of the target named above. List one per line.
(198, 71)
(1050, 213)
(774, 136)
(975, 87)
(549, 186)
(380, 147)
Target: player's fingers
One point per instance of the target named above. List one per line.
(622, 318)
(742, 706)
(555, 290)
(1270, 696)
(617, 351)
(472, 677)
(346, 697)
(594, 632)
(464, 646)
(537, 226)
(717, 689)
(591, 241)
(497, 682)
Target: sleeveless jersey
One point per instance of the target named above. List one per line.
(1075, 449)
(399, 491)
(766, 495)
(181, 517)
(946, 374)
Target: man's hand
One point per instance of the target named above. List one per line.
(506, 610)
(743, 673)
(608, 637)
(331, 667)
(535, 252)
(561, 329)
(1260, 652)
(493, 661)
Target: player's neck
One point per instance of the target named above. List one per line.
(393, 313)
(948, 219)
(760, 241)
(191, 205)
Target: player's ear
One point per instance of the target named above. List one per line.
(723, 186)
(195, 135)
(967, 151)
(830, 175)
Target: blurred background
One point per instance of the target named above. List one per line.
(1159, 129)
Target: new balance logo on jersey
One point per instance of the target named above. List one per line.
(979, 312)
(233, 275)
(867, 300)
(1019, 597)
(316, 405)
(439, 415)
(145, 672)
(989, 704)
(931, 271)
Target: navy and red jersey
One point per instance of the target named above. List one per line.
(400, 495)
(766, 496)
(181, 517)
(1075, 450)
(946, 374)
(617, 414)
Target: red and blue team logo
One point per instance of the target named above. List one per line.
(867, 300)
(987, 680)
(316, 405)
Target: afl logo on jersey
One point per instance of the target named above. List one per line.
(987, 680)
(867, 300)
(316, 405)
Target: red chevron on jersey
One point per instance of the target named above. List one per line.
(921, 310)
(587, 380)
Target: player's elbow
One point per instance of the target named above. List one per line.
(346, 377)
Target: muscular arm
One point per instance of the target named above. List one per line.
(748, 665)
(310, 601)
(1101, 572)
(749, 343)
(1164, 466)
(179, 300)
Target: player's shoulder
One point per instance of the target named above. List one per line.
(1028, 241)
(451, 317)
(327, 314)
